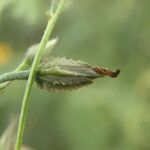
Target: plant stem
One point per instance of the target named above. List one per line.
(21, 67)
(21, 75)
(24, 65)
(36, 61)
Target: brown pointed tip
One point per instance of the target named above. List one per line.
(116, 73)
(106, 72)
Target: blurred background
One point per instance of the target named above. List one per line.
(111, 114)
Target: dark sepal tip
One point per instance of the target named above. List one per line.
(106, 72)
(116, 73)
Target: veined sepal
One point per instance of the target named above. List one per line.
(58, 74)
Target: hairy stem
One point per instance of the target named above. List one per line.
(36, 61)
(21, 67)
(11, 76)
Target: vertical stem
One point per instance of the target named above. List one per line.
(23, 116)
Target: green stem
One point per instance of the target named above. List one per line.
(21, 67)
(21, 75)
(36, 61)
(24, 65)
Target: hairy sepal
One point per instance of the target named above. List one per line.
(29, 56)
(59, 74)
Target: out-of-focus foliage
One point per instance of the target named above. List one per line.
(5, 53)
(110, 114)
(7, 139)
